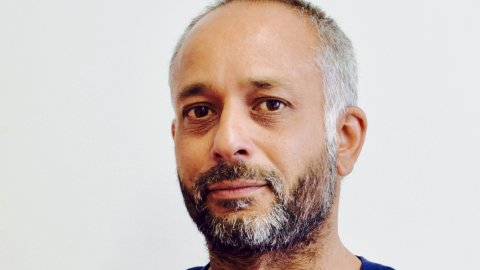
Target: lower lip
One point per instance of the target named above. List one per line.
(234, 193)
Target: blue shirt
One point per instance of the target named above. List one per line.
(366, 265)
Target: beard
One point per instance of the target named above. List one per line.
(292, 218)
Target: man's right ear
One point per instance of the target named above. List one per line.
(174, 124)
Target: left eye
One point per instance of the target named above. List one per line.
(270, 105)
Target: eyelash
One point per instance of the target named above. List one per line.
(282, 104)
(191, 107)
(255, 107)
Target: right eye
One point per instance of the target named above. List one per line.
(198, 112)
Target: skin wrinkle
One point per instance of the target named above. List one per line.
(335, 57)
(295, 216)
(200, 129)
(291, 224)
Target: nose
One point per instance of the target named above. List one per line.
(232, 141)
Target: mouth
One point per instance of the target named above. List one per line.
(229, 190)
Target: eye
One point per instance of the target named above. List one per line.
(198, 112)
(270, 105)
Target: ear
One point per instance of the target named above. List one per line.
(351, 130)
(174, 124)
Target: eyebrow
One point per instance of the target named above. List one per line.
(263, 84)
(191, 90)
(197, 89)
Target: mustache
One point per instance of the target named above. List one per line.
(229, 172)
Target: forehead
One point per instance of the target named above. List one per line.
(247, 39)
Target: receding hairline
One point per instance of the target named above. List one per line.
(303, 9)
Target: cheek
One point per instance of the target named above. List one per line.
(191, 155)
(294, 149)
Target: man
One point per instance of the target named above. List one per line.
(266, 126)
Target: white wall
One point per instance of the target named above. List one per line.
(87, 175)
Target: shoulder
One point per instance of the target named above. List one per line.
(367, 265)
(200, 267)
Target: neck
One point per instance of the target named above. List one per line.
(325, 251)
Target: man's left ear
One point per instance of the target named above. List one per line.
(351, 130)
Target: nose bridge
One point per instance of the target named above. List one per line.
(232, 140)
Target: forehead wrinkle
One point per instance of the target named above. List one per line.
(196, 49)
(280, 86)
(229, 28)
(238, 23)
(264, 82)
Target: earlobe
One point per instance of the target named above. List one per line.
(351, 130)
(173, 126)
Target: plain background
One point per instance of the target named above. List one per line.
(87, 174)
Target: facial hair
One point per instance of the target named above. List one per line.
(291, 219)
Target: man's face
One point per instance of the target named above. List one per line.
(249, 129)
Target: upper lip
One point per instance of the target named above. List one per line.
(235, 184)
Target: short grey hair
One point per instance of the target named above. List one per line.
(335, 57)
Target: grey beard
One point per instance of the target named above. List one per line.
(290, 221)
